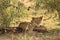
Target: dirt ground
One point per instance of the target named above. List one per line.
(31, 36)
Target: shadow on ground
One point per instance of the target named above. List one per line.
(51, 35)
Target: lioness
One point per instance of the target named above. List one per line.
(30, 25)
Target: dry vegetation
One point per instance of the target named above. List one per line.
(51, 35)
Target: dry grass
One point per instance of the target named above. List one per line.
(51, 35)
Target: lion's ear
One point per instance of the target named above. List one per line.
(41, 17)
(33, 18)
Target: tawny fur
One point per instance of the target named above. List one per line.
(30, 25)
(41, 28)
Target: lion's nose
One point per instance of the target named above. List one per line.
(27, 28)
